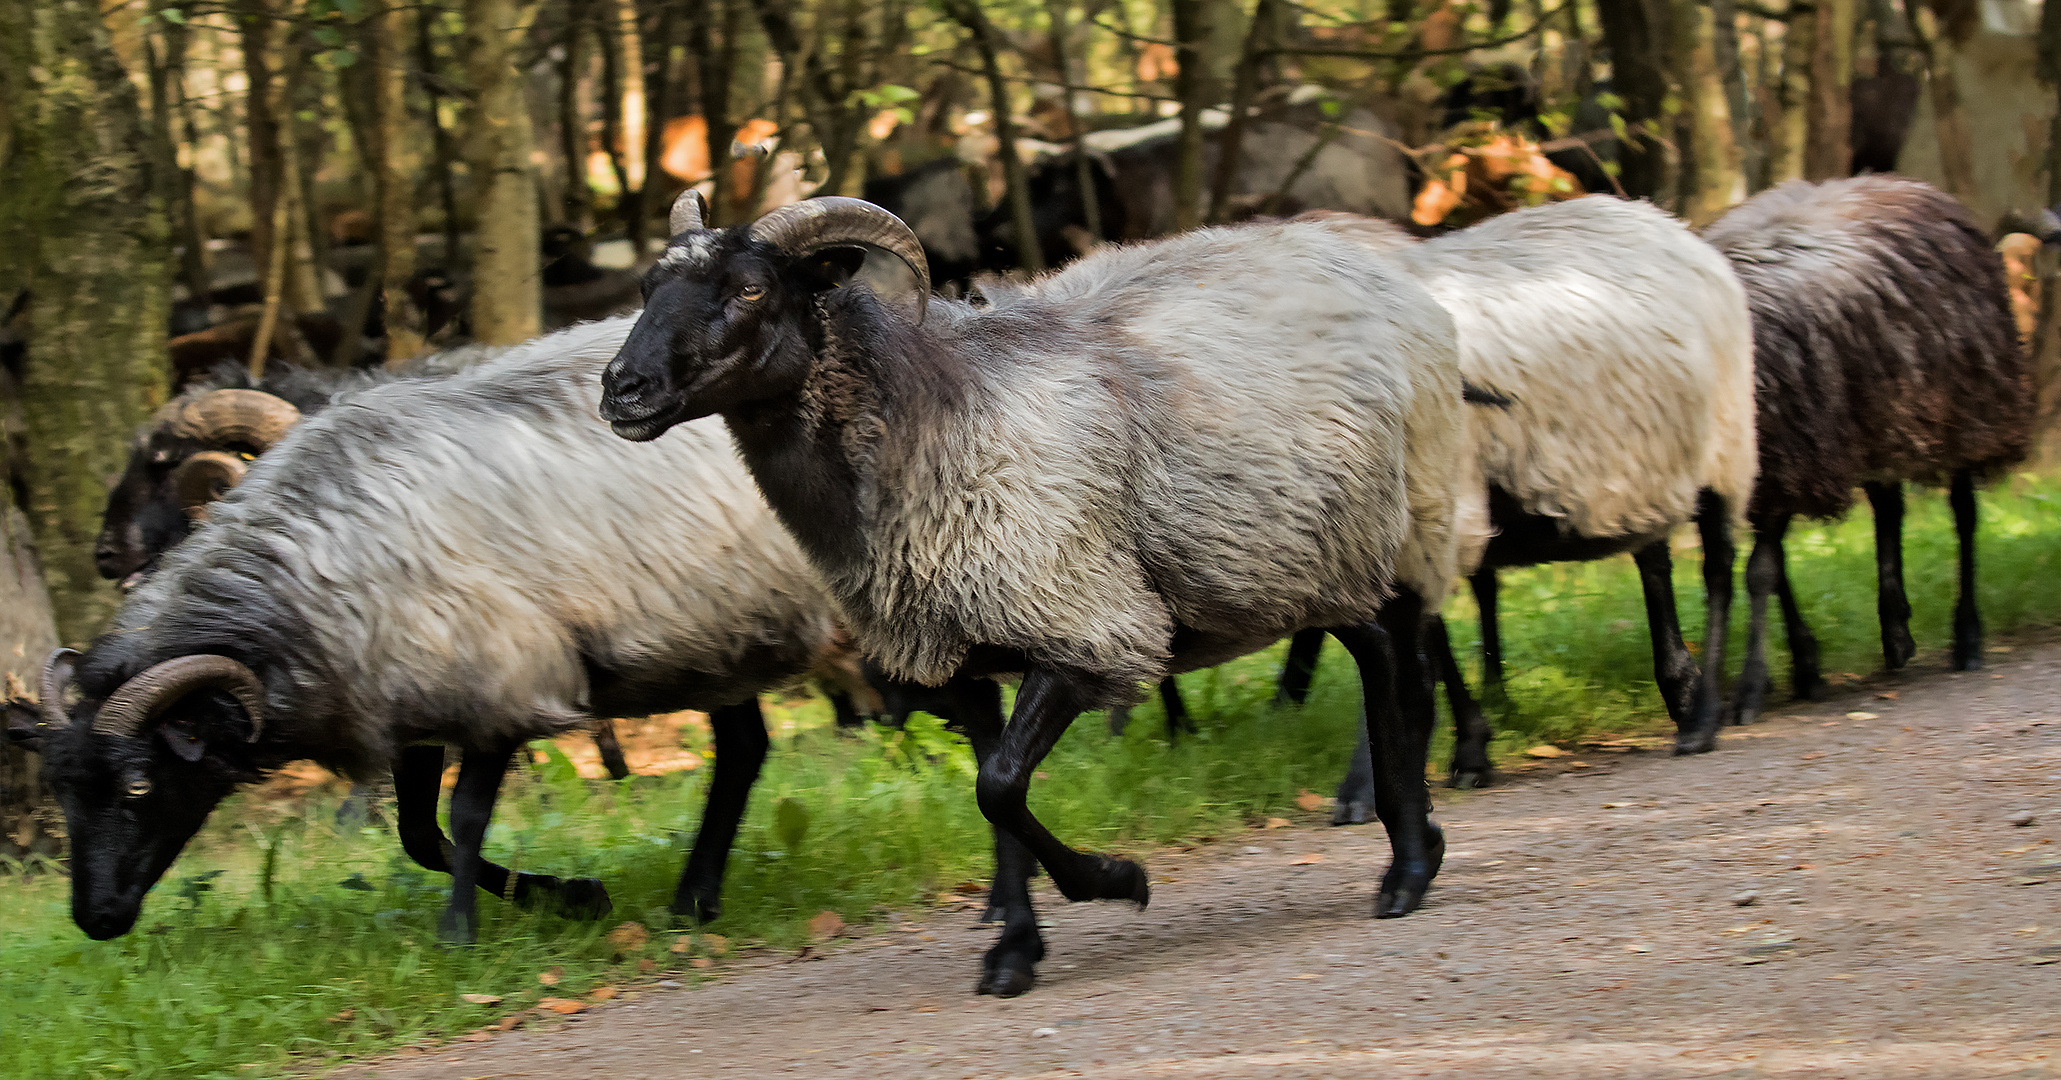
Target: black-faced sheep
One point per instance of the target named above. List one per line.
(1884, 352)
(471, 560)
(1159, 458)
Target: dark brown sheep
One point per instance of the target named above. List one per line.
(1884, 351)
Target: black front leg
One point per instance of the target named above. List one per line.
(1892, 607)
(1714, 526)
(1397, 711)
(1967, 619)
(472, 807)
(741, 744)
(1300, 669)
(1011, 965)
(418, 783)
(1177, 718)
(1483, 581)
(1674, 670)
(1046, 702)
(1471, 731)
(1806, 673)
(611, 749)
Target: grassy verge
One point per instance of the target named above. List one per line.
(281, 942)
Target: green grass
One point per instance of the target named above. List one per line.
(236, 973)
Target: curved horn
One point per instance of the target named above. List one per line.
(836, 221)
(57, 673)
(139, 701)
(250, 418)
(205, 477)
(688, 213)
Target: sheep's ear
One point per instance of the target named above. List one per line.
(183, 741)
(830, 267)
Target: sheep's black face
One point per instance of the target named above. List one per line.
(143, 517)
(725, 324)
(131, 803)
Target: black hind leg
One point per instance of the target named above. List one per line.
(1967, 620)
(1806, 673)
(1892, 607)
(1762, 574)
(1398, 714)
(1471, 731)
(1300, 669)
(1177, 718)
(1714, 527)
(1674, 670)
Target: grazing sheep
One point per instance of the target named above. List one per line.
(471, 560)
(1884, 352)
(1159, 458)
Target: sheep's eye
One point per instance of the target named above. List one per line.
(136, 788)
(751, 293)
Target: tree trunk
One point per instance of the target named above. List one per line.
(635, 114)
(660, 83)
(822, 98)
(1713, 182)
(1245, 83)
(1828, 149)
(394, 178)
(1084, 170)
(1029, 254)
(167, 102)
(1192, 86)
(1636, 32)
(28, 819)
(505, 295)
(1937, 45)
(572, 120)
(612, 94)
(83, 228)
(257, 29)
(713, 61)
(446, 152)
(1791, 128)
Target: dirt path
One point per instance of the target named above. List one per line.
(1586, 925)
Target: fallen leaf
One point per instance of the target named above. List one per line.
(646, 965)
(1545, 750)
(1302, 976)
(1308, 860)
(1615, 805)
(1862, 716)
(1637, 948)
(601, 993)
(551, 977)
(1278, 823)
(700, 962)
(629, 937)
(682, 944)
(717, 943)
(825, 925)
(1887, 695)
(1311, 801)
(562, 1006)
(478, 1036)
(343, 1017)
(480, 999)
(509, 1023)
(968, 888)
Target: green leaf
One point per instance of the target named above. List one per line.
(327, 35)
(343, 58)
(1617, 125)
(173, 15)
(790, 822)
(892, 93)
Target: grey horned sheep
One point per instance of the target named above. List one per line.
(1154, 460)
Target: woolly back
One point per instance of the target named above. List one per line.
(451, 557)
(1884, 345)
(1212, 431)
(1624, 344)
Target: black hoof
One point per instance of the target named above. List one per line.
(1695, 742)
(1013, 976)
(1352, 812)
(993, 914)
(1898, 648)
(1813, 690)
(1125, 880)
(1968, 657)
(584, 898)
(700, 907)
(1466, 777)
(1403, 887)
(457, 930)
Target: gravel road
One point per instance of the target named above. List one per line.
(1830, 894)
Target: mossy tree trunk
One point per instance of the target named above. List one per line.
(83, 228)
(1713, 180)
(1637, 35)
(1790, 128)
(398, 164)
(505, 295)
(1828, 151)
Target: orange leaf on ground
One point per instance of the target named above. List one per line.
(826, 924)
(682, 944)
(968, 888)
(1545, 750)
(479, 999)
(551, 977)
(629, 936)
(1311, 801)
(562, 1006)
(601, 993)
(700, 962)
(1278, 823)
(1308, 860)
(717, 943)
(646, 965)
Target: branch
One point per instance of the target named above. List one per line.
(1414, 54)
(1033, 81)
(1129, 36)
